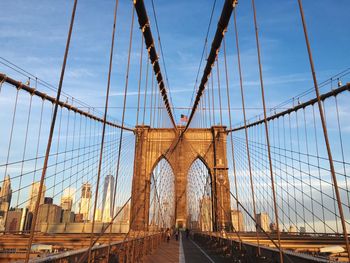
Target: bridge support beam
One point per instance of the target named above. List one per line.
(140, 184)
(220, 181)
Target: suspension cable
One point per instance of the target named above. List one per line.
(121, 132)
(245, 122)
(297, 107)
(139, 84)
(44, 96)
(204, 51)
(153, 57)
(227, 9)
(325, 132)
(104, 125)
(231, 136)
(52, 128)
(219, 89)
(267, 133)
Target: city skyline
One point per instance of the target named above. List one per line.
(49, 212)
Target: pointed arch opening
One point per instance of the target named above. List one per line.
(162, 196)
(199, 197)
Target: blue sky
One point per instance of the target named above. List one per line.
(33, 36)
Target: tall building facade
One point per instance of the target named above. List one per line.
(5, 201)
(6, 191)
(98, 215)
(124, 214)
(14, 220)
(206, 222)
(85, 201)
(66, 203)
(49, 214)
(34, 192)
(67, 199)
(67, 216)
(263, 221)
(237, 220)
(107, 199)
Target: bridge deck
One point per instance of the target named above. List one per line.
(184, 250)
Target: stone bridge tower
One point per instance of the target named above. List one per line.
(152, 145)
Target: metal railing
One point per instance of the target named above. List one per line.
(130, 250)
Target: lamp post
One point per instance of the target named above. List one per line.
(221, 180)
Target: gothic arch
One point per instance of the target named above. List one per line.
(162, 195)
(158, 160)
(200, 188)
(180, 151)
(203, 160)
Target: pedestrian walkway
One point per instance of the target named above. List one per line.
(193, 253)
(167, 252)
(184, 250)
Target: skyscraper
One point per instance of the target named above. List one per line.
(6, 191)
(124, 214)
(48, 214)
(67, 199)
(34, 192)
(107, 200)
(263, 221)
(84, 207)
(66, 203)
(13, 221)
(237, 220)
(98, 215)
(5, 200)
(205, 219)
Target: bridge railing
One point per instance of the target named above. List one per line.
(130, 250)
(248, 252)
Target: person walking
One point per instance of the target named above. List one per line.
(177, 234)
(187, 233)
(167, 233)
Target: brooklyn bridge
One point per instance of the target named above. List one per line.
(118, 170)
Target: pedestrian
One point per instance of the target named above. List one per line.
(187, 233)
(167, 235)
(177, 234)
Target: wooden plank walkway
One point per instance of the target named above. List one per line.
(184, 250)
(167, 252)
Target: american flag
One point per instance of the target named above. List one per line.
(184, 118)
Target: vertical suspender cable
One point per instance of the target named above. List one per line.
(318, 165)
(219, 88)
(154, 109)
(151, 103)
(231, 136)
(300, 168)
(57, 151)
(38, 140)
(103, 128)
(267, 133)
(325, 132)
(342, 149)
(52, 128)
(212, 97)
(11, 134)
(25, 149)
(139, 84)
(245, 124)
(309, 170)
(224, 19)
(145, 95)
(121, 132)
